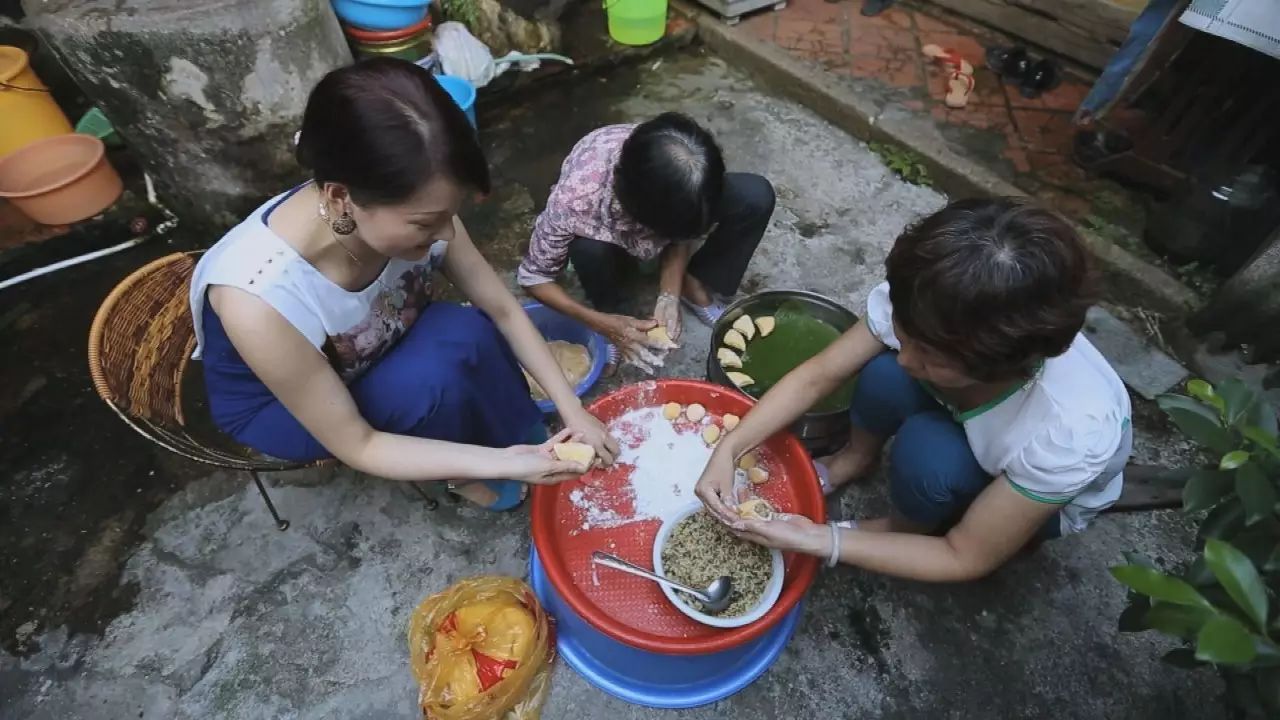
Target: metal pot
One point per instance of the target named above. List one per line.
(820, 432)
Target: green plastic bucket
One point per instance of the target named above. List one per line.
(636, 22)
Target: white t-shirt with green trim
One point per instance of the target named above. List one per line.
(1063, 438)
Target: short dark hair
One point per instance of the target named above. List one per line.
(670, 176)
(383, 128)
(999, 285)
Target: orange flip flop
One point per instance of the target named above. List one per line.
(948, 58)
(959, 87)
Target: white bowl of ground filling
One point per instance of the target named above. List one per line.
(698, 551)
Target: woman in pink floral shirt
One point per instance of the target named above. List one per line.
(634, 193)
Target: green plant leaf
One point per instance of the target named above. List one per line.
(1261, 438)
(1158, 585)
(1239, 578)
(1224, 521)
(1205, 488)
(1184, 658)
(1272, 563)
(1225, 641)
(1257, 493)
(1198, 422)
(1201, 390)
(1233, 460)
(1239, 399)
(1183, 621)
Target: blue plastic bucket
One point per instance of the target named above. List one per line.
(462, 92)
(556, 326)
(381, 14)
(651, 679)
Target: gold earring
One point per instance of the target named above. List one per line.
(344, 225)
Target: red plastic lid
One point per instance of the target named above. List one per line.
(632, 610)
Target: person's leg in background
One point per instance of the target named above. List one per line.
(721, 263)
(883, 399)
(1126, 59)
(600, 268)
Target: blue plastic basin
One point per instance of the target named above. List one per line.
(651, 679)
(556, 326)
(381, 14)
(462, 92)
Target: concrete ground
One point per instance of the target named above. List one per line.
(137, 585)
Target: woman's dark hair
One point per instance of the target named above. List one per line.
(383, 128)
(999, 285)
(670, 176)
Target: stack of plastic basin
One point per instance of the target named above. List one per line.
(410, 43)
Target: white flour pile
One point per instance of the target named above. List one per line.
(667, 465)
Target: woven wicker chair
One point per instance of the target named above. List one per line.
(140, 347)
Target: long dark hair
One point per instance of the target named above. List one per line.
(383, 128)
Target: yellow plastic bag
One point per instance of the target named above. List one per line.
(482, 650)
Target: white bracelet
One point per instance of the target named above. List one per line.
(834, 558)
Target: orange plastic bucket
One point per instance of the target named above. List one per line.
(27, 110)
(60, 180)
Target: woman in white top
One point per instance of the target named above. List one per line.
(314, 316)
(1008, 426)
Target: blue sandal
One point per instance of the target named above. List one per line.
(511, 492)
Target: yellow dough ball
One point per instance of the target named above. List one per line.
(575, 452)
(695, 412)
(730, 421)
(671, 411)
(710, 434)
(756, 509)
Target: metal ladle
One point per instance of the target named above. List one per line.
(715, 598)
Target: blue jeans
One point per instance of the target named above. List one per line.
(933, 474)
(1142, 32)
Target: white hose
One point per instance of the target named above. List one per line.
(169, 223)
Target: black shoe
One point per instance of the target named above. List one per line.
(1009, 63)
(1044, 74)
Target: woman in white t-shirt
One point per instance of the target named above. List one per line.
(316, 326)
(1008, 426)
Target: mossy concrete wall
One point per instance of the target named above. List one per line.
(207, 94)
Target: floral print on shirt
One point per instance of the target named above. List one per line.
(582, 204)
(391, 314)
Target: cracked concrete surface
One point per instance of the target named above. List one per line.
(230, 618)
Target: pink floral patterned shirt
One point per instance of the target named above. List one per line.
(582, 204)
